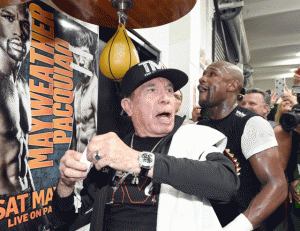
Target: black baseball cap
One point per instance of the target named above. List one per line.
(147, 70)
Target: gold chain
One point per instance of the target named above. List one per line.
(131, 143)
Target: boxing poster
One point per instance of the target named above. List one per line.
(48, 104)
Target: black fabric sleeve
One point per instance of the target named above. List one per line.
(63, 215)
(213, 179)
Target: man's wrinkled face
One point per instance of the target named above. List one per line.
(152, 108)
(15, 31)
(213, 85)
(255, 102)
(84, 61)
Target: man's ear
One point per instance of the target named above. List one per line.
(125, 104)
(266, 108)
(233, 86)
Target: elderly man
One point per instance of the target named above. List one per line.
(252, 141)
(155, 177)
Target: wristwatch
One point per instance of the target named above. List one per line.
(146, 162)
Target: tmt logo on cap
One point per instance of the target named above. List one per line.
(147, 70)
(151, 67)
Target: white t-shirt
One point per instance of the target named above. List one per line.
(258, 135)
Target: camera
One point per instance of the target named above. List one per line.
(291, 120)
(241, 94)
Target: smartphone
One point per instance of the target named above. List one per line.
(279, 86)
(295, 89)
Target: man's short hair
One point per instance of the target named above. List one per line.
(265, 95)
(84, 38)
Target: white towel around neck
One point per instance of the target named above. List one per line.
(178, 211)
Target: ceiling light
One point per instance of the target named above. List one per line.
(298, 54)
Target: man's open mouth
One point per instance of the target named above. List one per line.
(164, 116)
(202, 89)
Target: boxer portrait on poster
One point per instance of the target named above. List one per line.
(15, 120)
(83, 46)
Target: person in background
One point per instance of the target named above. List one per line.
(273, 106)
(294, 173)
(256, 100)
(259, 101)
(296, 77)
(284, 107)
(196, 113)
(288, 100)
(252, 141)
(178, 100)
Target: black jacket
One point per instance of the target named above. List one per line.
(216, 180)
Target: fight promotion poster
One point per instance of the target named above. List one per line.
(48, 104)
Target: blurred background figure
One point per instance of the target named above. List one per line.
(283, 107)
(256, 100)
(280, 105)
(273, 106)
(196, 109)
(293, 175)
(196, 113)
(296, 79)
(293, 172)
(178, 100)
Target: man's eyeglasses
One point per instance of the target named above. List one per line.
(178, 97)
